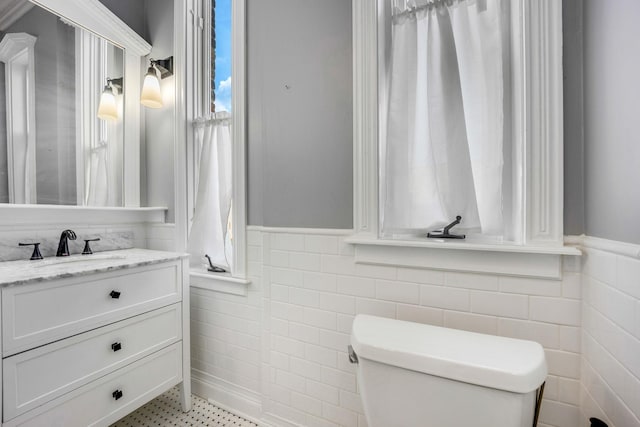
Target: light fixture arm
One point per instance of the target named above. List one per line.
(165, 66)
(115, 84)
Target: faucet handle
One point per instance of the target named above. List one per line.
(36, 250)
(87, 249)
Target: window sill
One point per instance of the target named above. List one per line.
(218, 282)
(505, 259)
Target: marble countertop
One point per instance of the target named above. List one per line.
(14, 273)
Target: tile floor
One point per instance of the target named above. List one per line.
(165, 411)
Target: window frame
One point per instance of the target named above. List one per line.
(537, 129)
(192, 22)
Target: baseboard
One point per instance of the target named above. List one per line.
(272, 420)
(237, 400)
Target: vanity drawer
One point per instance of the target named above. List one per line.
(40, 313)
(96, 403)
(40, 375)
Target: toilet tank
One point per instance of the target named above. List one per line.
(410, 374)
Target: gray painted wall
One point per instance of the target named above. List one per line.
(611, 116)
(573, 118)
(132, 12)
(153, 20)
(300, 113)
(158, 144)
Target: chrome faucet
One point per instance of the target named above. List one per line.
(63, 245)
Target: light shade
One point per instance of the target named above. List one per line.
(151, 96)
(107, 109)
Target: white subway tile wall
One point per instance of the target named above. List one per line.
(307, 289)
(610, 339)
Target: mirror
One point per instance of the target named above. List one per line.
(53, 147)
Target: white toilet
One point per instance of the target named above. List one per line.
(412, 375)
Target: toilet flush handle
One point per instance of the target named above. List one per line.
(353, 357)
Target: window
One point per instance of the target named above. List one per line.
(220, 55)
(215, 145)
(444, 103)
(535, 220)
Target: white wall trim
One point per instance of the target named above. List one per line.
(540, 265)
(17, 52)
(95, 17)
(132, 125)
(239, 131)
(612, 246)
(238, 413)
(11, 11)
(180, 56)
(293, 230)
(538, 127)
(464, 245)
(233, 398)
(86, 80)
(365, 118)
(78, 215)
(271, 419)
(218, 282)
(541, 89)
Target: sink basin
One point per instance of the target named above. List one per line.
(76, 259)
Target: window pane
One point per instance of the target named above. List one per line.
(444, 123)
(221, 55)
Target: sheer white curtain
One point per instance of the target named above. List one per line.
(443, 148)
(97, 177)
(208, 233)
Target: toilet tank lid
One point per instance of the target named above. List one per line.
(501, 363)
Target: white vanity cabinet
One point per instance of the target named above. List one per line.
(86, 341)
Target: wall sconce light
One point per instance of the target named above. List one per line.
(108, 109)
(151, 96)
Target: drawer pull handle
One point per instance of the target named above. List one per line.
(117, 394)
(114, 294)
(116, 346)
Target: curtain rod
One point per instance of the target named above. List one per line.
(218, 117)
(102, 145)
(410, 6)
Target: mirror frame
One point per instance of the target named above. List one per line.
(15, 50)
(96, 18)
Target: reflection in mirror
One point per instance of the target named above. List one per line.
(53, 148)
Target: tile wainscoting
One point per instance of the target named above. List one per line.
(278, 355)
(611, 333)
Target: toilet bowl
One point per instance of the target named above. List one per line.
(410, 374)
